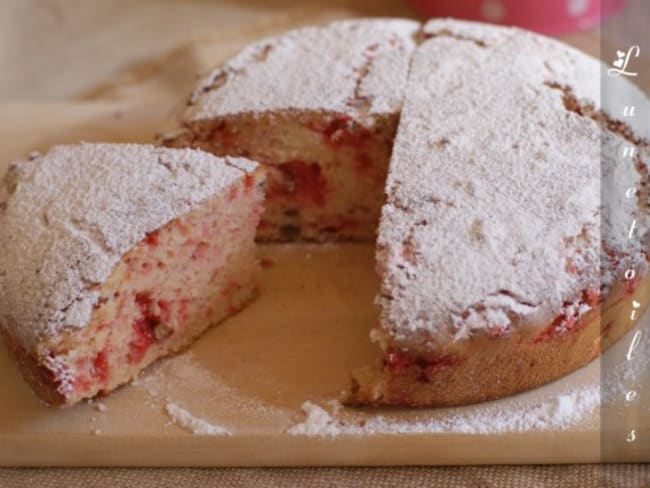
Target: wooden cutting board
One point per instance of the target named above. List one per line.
(297, 343)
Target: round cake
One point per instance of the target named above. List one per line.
(505, 206)
(512, 235)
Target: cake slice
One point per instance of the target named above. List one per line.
(318, 107)
(114, 255)
(503, 264)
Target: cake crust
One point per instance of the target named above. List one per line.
(487, 368)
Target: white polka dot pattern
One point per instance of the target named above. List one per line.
(493, 11)
(576, 8)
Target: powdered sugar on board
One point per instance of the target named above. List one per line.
(197, 426)
(559, 413)
(318, 422)
(561, 407)
(209, 404)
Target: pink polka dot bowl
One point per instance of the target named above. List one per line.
(547, 16)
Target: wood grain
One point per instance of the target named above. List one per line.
(60, 48)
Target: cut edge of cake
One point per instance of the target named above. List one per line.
(85, 305)
(318, 107)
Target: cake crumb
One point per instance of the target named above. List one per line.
(100, 407)
(317, 423)
(187, 421)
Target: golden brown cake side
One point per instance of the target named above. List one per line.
(490, 367)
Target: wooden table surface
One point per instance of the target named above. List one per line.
(62, 49)
(52, 49)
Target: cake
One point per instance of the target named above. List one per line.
(114, 255)
(502, 265)
(508, 270)
(318, 107)
(512, 230)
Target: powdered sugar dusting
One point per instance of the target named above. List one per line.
(184, 379)
(571, 403)
(196, 425)
(316, 68)
(67, 217)
(317, 423)
(554, 414)
(512, 196)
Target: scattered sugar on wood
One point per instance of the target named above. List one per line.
(196, 425)
(184, 377)
(183, 380)
(550, 413)
(317, 423)
(558, 413)
(560, 407)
